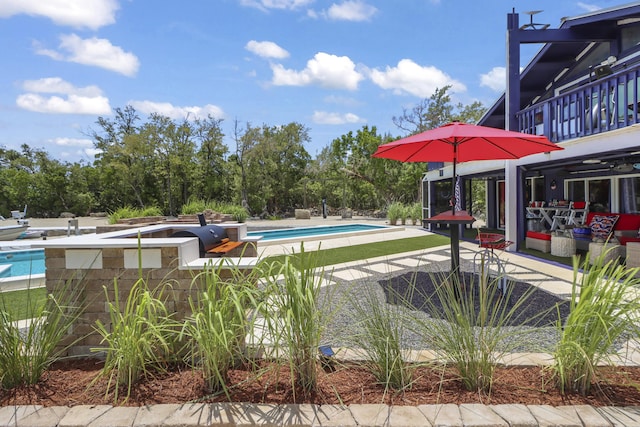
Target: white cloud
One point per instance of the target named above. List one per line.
(73, 104)
(409, 77)
(266, 49)
(327, 118)
(325, 70)
(494, 79)
(341, 100)
(588, 7)
(176, 112)
(72, 142)
(84, 147)
(265, 5)
(58, 85)
(91, 14)
(352, 10)
(74, 100)
(95, 52)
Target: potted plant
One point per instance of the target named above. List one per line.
(394, 211)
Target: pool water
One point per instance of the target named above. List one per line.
(297, 232)
(21, 263)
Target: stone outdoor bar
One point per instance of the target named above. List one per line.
(94, 261)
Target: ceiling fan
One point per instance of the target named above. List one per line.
(623, 167)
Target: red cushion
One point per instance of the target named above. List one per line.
(538, 235)
(628, 222)
(624, 239)
(579, 205)
(625, 221)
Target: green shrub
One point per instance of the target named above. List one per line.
(292, 317)
(218, 324)
(131, 212)
(29, 350)
(193, 206)
(475, 332)
(138, 338)
(151, 211)
(394, 212)
(381, 328)
(602, 308)
(404, 214)
(415, 212)
(239, 214)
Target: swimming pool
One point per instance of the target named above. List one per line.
(317, 233)
(21, 263)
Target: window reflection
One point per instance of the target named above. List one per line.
(598, 191)
(630, 195)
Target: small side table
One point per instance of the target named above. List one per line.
(612, 251)
(562, 246)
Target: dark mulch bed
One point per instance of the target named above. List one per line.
(417, 291)
(71, 383)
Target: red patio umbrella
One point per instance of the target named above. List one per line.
(459, 142)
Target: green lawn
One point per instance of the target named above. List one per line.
(371, 250)
(23, 304)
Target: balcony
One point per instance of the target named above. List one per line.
(606, 104)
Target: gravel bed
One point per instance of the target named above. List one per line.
(341, 301)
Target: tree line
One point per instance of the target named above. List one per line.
(164, 163)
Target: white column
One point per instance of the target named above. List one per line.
(511, 203)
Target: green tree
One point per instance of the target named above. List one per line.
(429, 113)
(372, 182)
(274, 163)
(213, 174)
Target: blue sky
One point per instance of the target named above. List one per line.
(333, 66)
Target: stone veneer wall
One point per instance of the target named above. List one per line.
(96, 268)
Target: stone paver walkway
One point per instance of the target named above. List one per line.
(244, 414)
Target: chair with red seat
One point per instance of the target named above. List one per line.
(492, 242)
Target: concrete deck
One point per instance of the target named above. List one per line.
(550, 277)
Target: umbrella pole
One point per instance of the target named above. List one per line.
(455, 228)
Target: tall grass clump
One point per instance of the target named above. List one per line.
(193, 206)
(603, 307)
(292, 317)
(394, 212)
(131, 212)
(404, 214)
(239, 214)
(415, 212)
(475, 331)
(218, 324)
(139, 337)
(381, 327)
(27, 350)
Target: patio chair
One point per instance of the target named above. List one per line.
(561, 217)
(578, 213)
(490, 243)
(20, 216)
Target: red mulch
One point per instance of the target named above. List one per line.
(69, 383)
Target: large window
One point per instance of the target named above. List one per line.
(534, 189)
(629, 193)
(576, 191)
(598, 191)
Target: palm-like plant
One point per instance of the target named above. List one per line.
(603, 307)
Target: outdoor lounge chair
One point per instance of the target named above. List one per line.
(18, 215)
